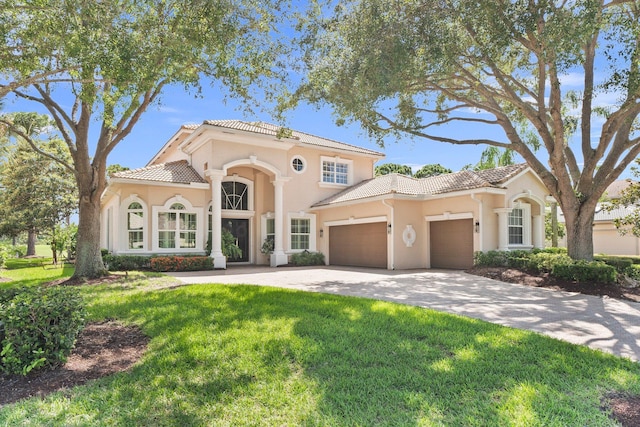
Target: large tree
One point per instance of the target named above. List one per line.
(36, 193)
(104, 63)
(538, 72)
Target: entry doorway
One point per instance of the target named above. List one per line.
(239, 228)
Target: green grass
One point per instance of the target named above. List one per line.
(246, 355)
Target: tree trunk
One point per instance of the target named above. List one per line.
(580, 235)
(31, 242)
(89, 263)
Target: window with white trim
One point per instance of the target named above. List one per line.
(298, 164)
(516, 227)
(302, 232)
(177, 229)
(519, 225)
(135, 226)
(235, 196)
(336, 170)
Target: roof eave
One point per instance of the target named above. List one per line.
(417, 197)
(200, 185)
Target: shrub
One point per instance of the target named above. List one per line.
(632, 272)
(180, 263)
(39, 326)
(585, 271)
(126, 262)
(543, 262)
(491, 259)
(620, 263)
(307, 258)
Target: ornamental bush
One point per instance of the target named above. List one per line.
(38, 327)
(491, 259)
(181, 263)
(126, 262)
(586, 271)
(307, 258)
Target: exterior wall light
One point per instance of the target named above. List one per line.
(477, 226)
(321, 232)
(389, 228)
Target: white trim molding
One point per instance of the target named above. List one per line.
(312, 230)
(200, 225)
(448, 216)
(124, 230)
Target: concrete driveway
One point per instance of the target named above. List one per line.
(602, 323)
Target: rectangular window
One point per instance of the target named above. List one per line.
(188, 225)
(300, 233)
(516, 227)
(271, 230)
(335, 172)
(135, 226)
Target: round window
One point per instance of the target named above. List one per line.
(298, 164)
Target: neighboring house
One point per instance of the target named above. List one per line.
(606, 237)
(304, 192)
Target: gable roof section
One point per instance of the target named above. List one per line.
(305, 138)
(440, 184)
(179, 172)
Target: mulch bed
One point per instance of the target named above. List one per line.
(101, 349)
(512, 275)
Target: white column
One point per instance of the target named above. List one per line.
(503, 228)
(219, 260)
(278, 257)
(538, 231)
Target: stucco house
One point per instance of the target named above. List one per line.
(606, 237)
(311, 193)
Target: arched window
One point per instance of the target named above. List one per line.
(177, 229)
(135, 226)
(235, 196)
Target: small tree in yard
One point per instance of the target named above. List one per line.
(533, 70)
(105, 63)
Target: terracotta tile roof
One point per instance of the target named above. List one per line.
(440, 184)
(614, 191)
(178, 172)
(272, 130)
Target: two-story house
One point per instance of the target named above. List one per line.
(305, 192)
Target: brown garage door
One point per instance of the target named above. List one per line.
(451, 244)
(360, 245)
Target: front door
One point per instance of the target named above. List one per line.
(240, 230)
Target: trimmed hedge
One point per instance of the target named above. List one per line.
(126, 262)
(38, 327)
(307, 258)
(181, 263)
(555, 262)
(586, 271)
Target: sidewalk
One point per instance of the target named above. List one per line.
(602, 323)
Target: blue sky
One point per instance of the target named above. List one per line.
(159, 123)
(178, 107)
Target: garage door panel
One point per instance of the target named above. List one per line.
(360, 245)
(451, 244)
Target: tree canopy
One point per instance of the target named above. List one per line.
(104, 63)
(36, 192)
(559, 81)
(431, 170)
(387, 168)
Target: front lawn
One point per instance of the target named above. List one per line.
(247, 355)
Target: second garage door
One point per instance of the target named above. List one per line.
(360, 245)
(451, 244)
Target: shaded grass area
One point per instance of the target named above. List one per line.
(246, 355)
(27, 272)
